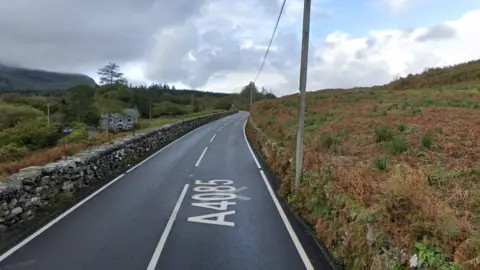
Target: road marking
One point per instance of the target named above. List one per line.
(291, 232)
(51, 223)
(211, 195)
(213, 137)
(201, 156)
(220, 128)
(248, 144)
(64, 214)
(163, 239)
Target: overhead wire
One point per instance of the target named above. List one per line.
(271, 40)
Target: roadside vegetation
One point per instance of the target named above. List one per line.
(389, 171)
(28, 138)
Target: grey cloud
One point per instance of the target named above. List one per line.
(80, 35)
(438, 32)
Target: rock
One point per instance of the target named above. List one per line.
(12, 203)
(3, 229)
(414, 261)
(16, 211)
(2, 220)
(5, 213)
(67, 186)
(26, 176)
(45, 180)
(49, 168)
(27, 215)
(35, 200)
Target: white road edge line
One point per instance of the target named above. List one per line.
(201, 156)
(251, 151)
(64, 214)
(213, 137)
(51, 223)
(163, 238)
(291, 232)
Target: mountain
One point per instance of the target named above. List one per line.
(17, 78)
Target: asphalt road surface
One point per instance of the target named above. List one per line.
(203, 202)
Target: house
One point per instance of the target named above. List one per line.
(123, 120)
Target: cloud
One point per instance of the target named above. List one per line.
(83, 35)
(345, 61)
(218, 45)
(438, 32)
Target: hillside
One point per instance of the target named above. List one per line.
(464, 73)
(388, 173)
(15, 78)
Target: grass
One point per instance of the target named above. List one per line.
(426, 140)
(381, 163)
(37, 158)
(382, 133)
(408, 166)
(397, 145)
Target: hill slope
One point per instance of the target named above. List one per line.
(30, 79)
(387, 173)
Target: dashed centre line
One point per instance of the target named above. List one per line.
(213, 137)
(201, 156)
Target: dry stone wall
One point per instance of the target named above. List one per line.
(23, 193)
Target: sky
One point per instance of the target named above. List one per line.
(218, 45)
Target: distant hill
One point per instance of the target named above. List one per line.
(464, 73)
(16, 78)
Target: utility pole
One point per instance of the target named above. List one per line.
(303, 91)
(150, 112)
(48, 114)
(251, 99)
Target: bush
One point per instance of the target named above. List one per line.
(12, 152)
(401, 127)
(33, 133)
(382, 133)
(398, 145)
(381, 163)
(426, 140)
(11, 114)
(79, 133)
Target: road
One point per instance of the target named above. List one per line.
(203, 202)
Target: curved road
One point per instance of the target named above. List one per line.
(203, 202)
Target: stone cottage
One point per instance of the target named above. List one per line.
(123, 120)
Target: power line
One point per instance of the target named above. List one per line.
(271, 40)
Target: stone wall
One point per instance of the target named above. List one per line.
(25, 192)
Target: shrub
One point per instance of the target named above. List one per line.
(401, 127)
(11, 114)
(426, 141)
(12, 152)
(78, 134)
(381, 163)
(327, 140)
(33, 133)
(416, 110)
(382, 133)
(398, 145)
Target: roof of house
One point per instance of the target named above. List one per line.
(125, 113)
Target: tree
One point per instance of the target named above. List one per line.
(110, 74)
